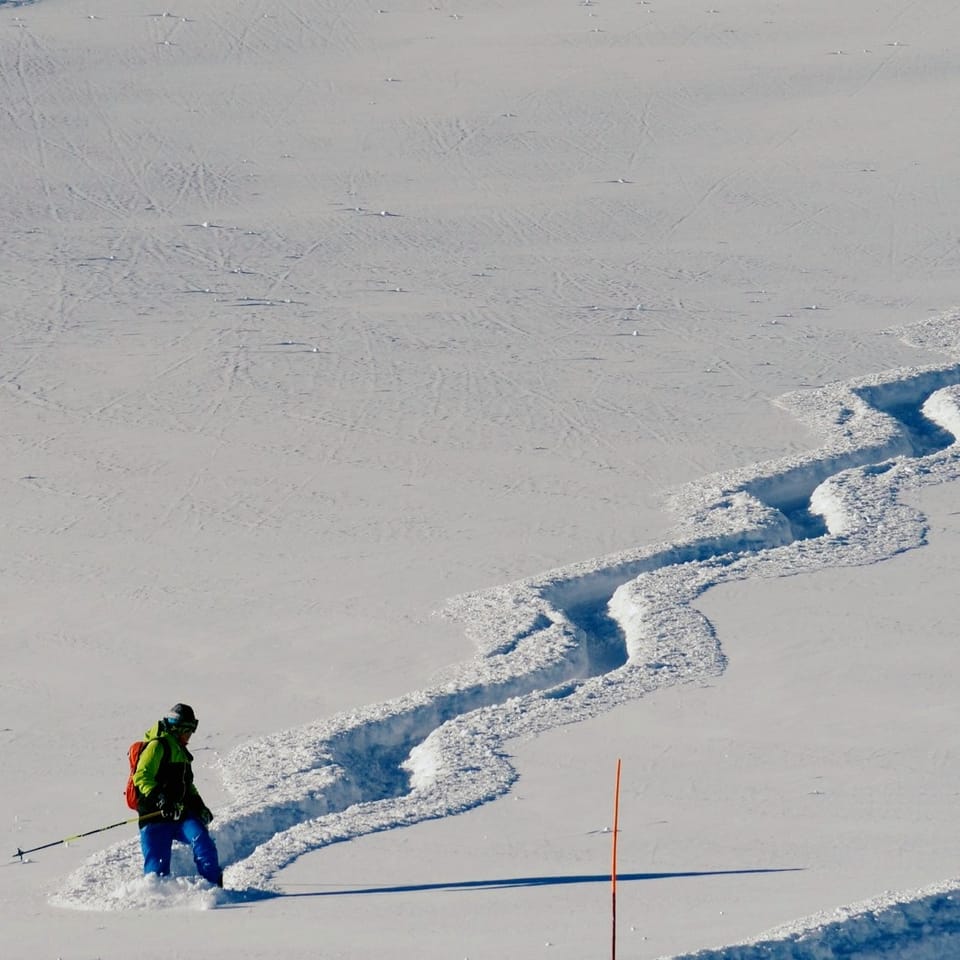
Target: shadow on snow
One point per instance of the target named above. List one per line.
(510, 882)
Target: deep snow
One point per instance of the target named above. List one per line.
(320, 316)
(574, 642)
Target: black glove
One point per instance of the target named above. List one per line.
(206, 815)
(167, 809)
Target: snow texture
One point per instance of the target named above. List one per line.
(320, 314)
(566, 645)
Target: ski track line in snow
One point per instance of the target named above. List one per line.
(574, 642)
(922, 925)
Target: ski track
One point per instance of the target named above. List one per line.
(574, 642)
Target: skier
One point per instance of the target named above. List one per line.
(164, 782)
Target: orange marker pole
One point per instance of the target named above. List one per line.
(613, 871)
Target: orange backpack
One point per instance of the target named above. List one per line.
(133, 754)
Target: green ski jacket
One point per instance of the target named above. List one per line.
(168, 771)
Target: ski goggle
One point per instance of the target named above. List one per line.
(180, 726)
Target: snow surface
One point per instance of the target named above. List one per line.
(321, 316)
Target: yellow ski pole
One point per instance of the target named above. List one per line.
(79, 836)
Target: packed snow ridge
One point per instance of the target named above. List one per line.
(923, 925)
(574, 642)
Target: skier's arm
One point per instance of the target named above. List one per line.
(148, 766)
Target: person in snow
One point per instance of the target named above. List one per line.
(167, 794)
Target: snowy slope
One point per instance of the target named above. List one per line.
(574, 642)
(321, 316)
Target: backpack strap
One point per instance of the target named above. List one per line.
(165, 750)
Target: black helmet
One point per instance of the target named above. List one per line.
(181, 717)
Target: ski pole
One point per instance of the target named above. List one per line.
(22, 853)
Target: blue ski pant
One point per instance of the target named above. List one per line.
(156, 842)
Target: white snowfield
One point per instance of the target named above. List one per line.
(349, 351)
(574, 642)
(923, 925)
